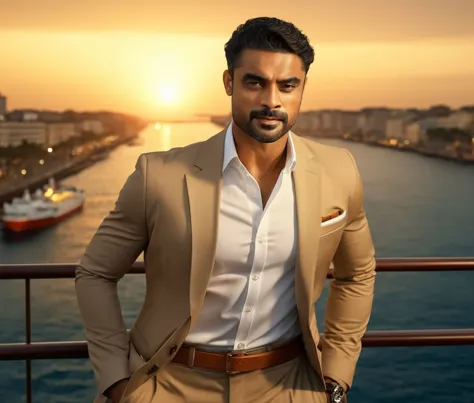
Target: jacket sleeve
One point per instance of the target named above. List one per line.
(351, 292)
(118, 242)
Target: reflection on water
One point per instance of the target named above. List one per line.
(165, 137)
(416, 206)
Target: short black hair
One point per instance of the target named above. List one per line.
(271, 34)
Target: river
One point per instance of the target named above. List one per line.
(417, 207)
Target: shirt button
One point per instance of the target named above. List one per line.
(240, 346)
(248, 309)
(255, 277)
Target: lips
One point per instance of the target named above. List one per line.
(268, 120)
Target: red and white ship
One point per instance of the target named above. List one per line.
(42, 209)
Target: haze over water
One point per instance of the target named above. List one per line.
(417, 207)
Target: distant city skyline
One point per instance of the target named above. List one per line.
(163, 62)
(201, 116)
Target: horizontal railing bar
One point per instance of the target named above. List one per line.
(43, 350)
(418, 338)
(374, 338)
(67, 270)
(49, 271)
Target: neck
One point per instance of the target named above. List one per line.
(260, 159)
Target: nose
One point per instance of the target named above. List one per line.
(271, 97)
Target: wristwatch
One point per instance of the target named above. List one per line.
(335, 391)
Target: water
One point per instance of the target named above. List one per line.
(417, 207)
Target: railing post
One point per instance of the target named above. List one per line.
(28, 337)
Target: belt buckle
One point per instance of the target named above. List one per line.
(228, 358)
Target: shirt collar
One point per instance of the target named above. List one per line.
(230, 152)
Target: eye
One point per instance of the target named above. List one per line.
(253, 83)
(288, 87)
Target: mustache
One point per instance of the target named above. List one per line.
(269, 114)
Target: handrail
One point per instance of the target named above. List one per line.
(29, 350)
(374, 338)
(67, 270)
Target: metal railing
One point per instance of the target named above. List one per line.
(29, 350)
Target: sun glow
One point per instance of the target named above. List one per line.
(168, 94)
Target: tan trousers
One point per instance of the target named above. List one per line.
(294, 381)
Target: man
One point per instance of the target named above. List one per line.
(238, 234)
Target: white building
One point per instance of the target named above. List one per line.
(14, 134)
(92, 126)
(361, 122)
(328, 121)
(396, 125)
(416, 131)
(373, 123)
(458, 120)
(59, 133)
(313, 121)
(347, 121)
(30, 117)
(307, 122)
(395, 129)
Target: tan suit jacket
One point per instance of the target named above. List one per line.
(169, 208)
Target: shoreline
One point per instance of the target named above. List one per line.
(223, 121)
(69, 168)
(75, 166)
(415, 150)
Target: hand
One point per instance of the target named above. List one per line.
(115, 392)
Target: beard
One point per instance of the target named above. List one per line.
(264, 126)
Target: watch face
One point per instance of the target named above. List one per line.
(337, 394)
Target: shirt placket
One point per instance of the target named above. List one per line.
(260, 241)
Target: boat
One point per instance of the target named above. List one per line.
(46, 207)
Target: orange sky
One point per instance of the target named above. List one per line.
(164, 60)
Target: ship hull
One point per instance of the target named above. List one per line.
(37, 224)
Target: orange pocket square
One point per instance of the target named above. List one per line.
(334, 214)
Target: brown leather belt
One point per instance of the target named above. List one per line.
(236, 362)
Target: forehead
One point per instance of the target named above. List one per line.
(271, 65)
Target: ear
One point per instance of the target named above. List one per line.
(227, 79)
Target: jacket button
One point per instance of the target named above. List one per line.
(173, 349)
(152, 370)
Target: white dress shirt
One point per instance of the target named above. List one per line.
(250, 299)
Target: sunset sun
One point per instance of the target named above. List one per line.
(168, 94)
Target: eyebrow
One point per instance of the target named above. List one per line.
(256, 77)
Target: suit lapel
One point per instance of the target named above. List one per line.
(307, 182)
(204, 187)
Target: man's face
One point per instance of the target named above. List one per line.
(267, 90)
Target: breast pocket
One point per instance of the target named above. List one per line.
(332, 229)
(333, 222)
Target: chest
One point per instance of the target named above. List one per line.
(250, 229)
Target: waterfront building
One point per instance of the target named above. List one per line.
(60, 132)
(373, 123)
(457, 120)
(15, 134)
(92, 126)
(415, 132)
(3, 104)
